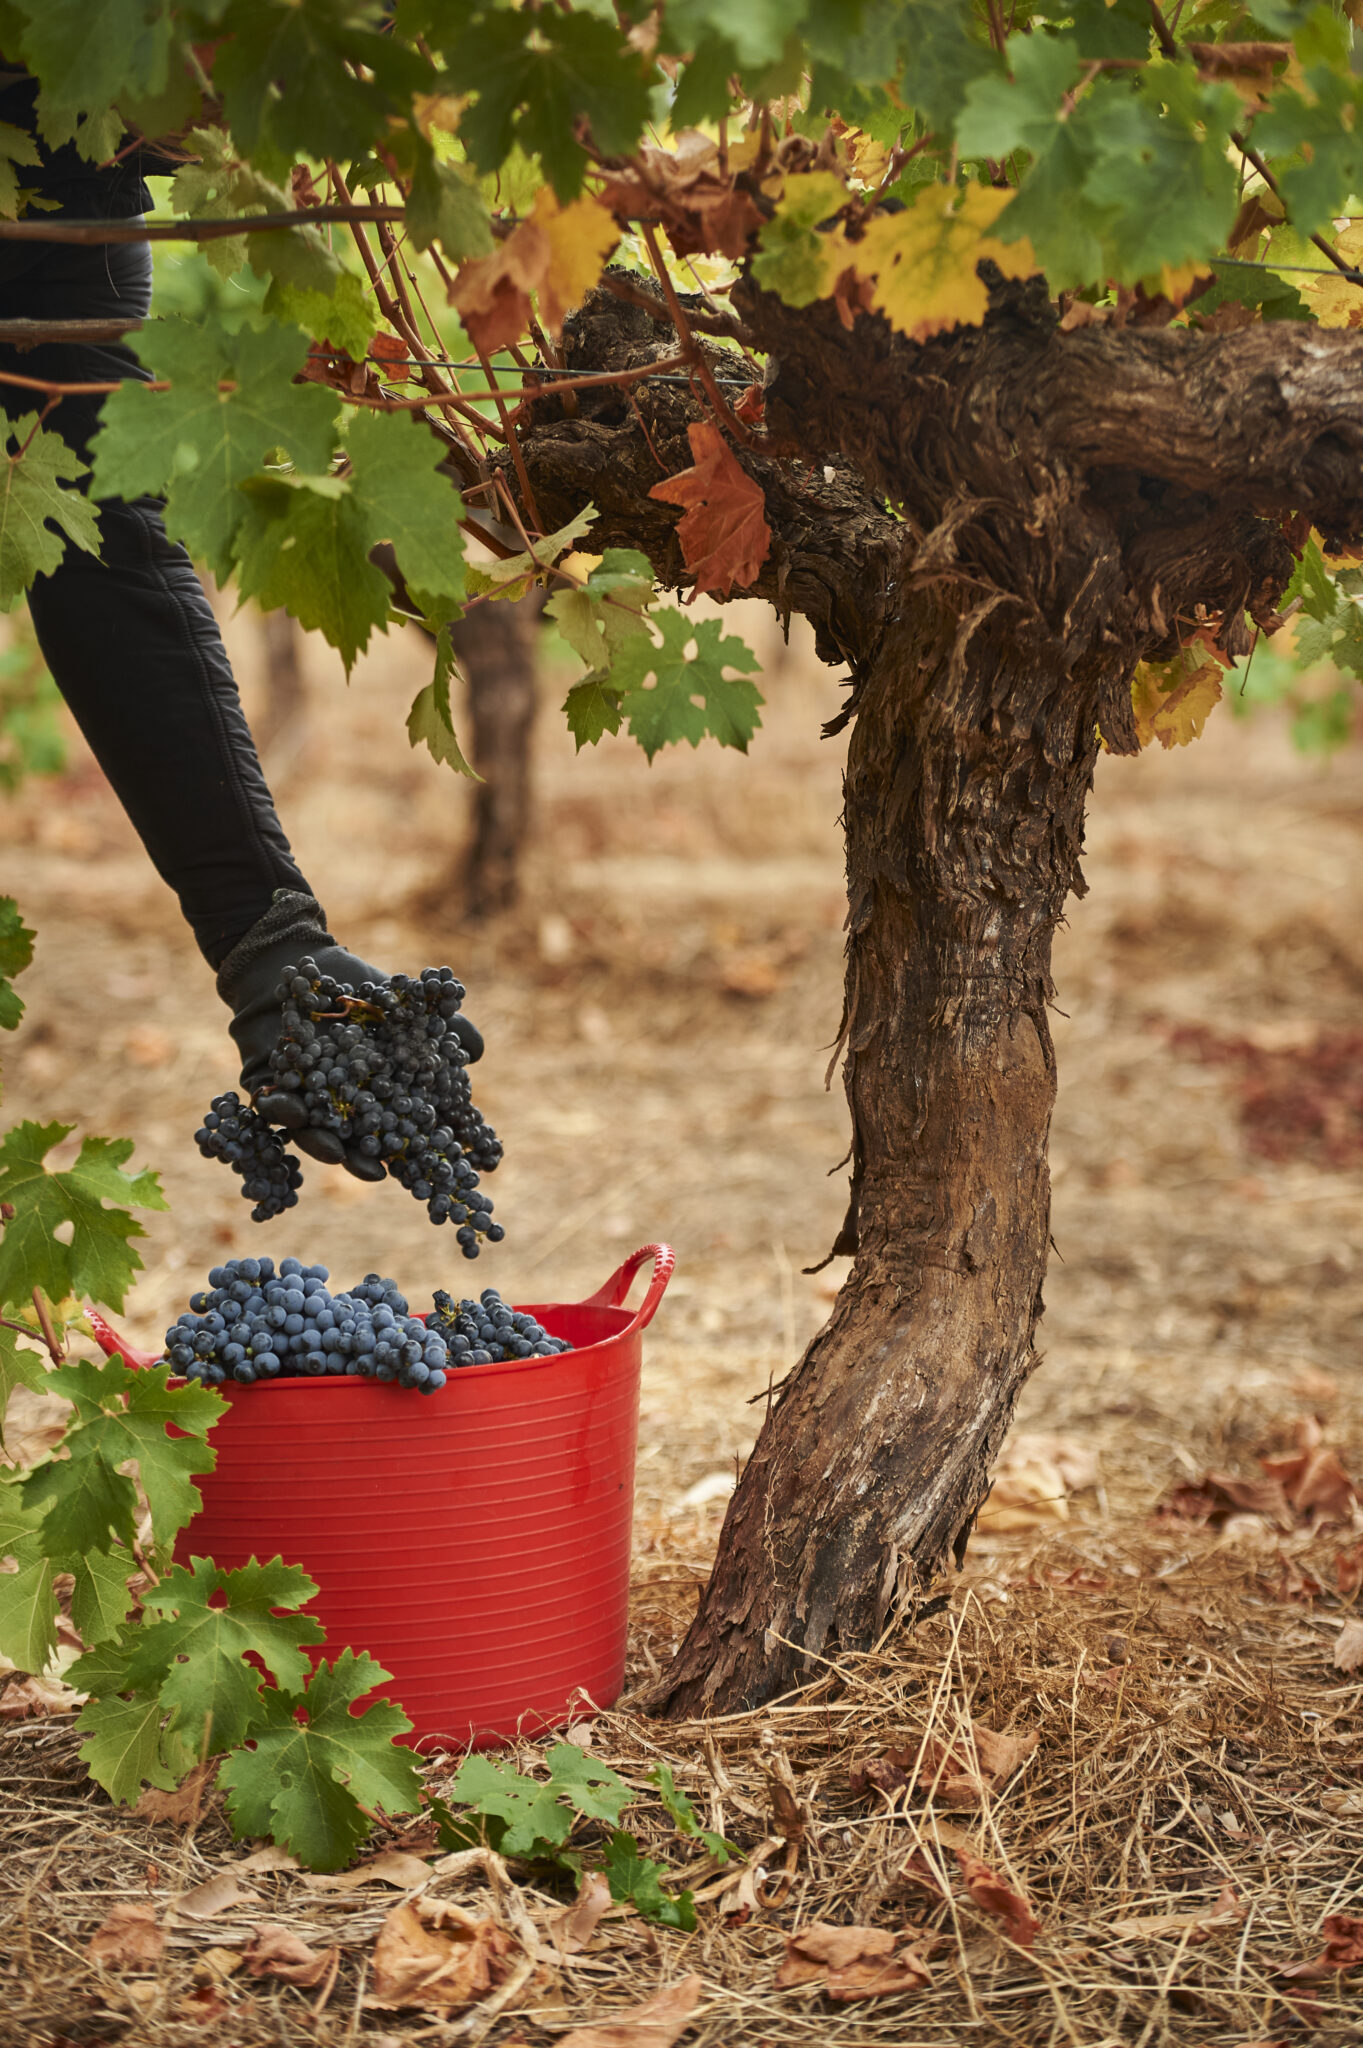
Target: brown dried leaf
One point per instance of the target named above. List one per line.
(580, 237)
(271, 1857)
(1228, 1911)
(654, 2024)
(129, 1939)
(990, 1892)
(33, 1425)
(275, 1951)
(572, 1929)
(391, 1866)
(877, 1775)
(183, 1806)
(220, 1894)
(723, 533)
(430, 1953)
(1349, 1647)
(1220, 1495)
(1035, 1475)
(850, 1962)
(1343, 1951)
(1316, 1484)
(492, 293)
(32, 1699)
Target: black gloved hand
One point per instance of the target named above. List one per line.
(294, 927)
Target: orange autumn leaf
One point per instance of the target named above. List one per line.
(724, 534)
(989, 1891)
(580, 237)
(429, 1953)
(491, 294)
(275, 1951)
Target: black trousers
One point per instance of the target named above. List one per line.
(131, 639)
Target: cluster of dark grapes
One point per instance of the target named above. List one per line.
(489, 1331)
(270, 1176)
(253, 1322)
(380, 1066)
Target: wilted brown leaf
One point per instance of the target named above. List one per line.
(433, 1954)
(1228, 1910)
(183, 1806)
(491, 294)
(654, 2024)
(958, 1773)
(220, 1894)
(572, 1929)
(1220, 1495)
(1316, 1484)
(851, 1962)
(33, 1424)
(1033, 1480)
(1343, 1951)
(31, 1699)
(391, 1866)
(275, 1951)
(723, 532)
(129, 1939)
(271, 1857)
(989, 1891)
(1349, 1647)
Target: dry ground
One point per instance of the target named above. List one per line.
(658, 1017)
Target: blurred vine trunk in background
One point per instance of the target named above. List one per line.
(495, 646)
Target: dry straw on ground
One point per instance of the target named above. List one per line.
(1148, 1856)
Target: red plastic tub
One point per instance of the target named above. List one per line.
(475, 1541)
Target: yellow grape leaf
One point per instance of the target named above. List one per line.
(1336, 301)
(923, 259)
(581, 236)
(1174, 699)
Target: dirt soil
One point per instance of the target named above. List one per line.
(659, 1016)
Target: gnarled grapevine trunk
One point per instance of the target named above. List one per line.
(495, 645)
(963, 832)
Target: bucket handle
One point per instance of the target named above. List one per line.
(612, 1295)
(114, 1346)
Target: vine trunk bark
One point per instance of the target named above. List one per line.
(964, 824)
(495, 646)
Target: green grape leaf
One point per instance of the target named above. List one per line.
(941, 59)
(1163, 172)
(89, 53)
(1024, 110)
(28, 1616)
(194, 1655)
(598, 617)
(121, 1415)
(592, 1787)
(592, 707)
(100, 1599)
(444, 207)
(33, 506)
(344, 316)
(756, 32)
(99, 1260)
(16, 147)
(1316, 146)
(1250, 286)
(301, 547)
(537, 75)
(536, 1821)
(668, 711)
(1337, 638)
(305, 1783)
(122, 1749)
(399, 496)
(683, 1815)
(17, 1369)
(430, 720)
(1112, 28)
(1311, 582)
(636, 1880)
(515, 576)
(232, 402)
(309, 79)
(16, 952)
(793, 258)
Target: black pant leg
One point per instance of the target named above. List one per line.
(131, 639)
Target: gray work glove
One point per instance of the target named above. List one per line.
(293, 927)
